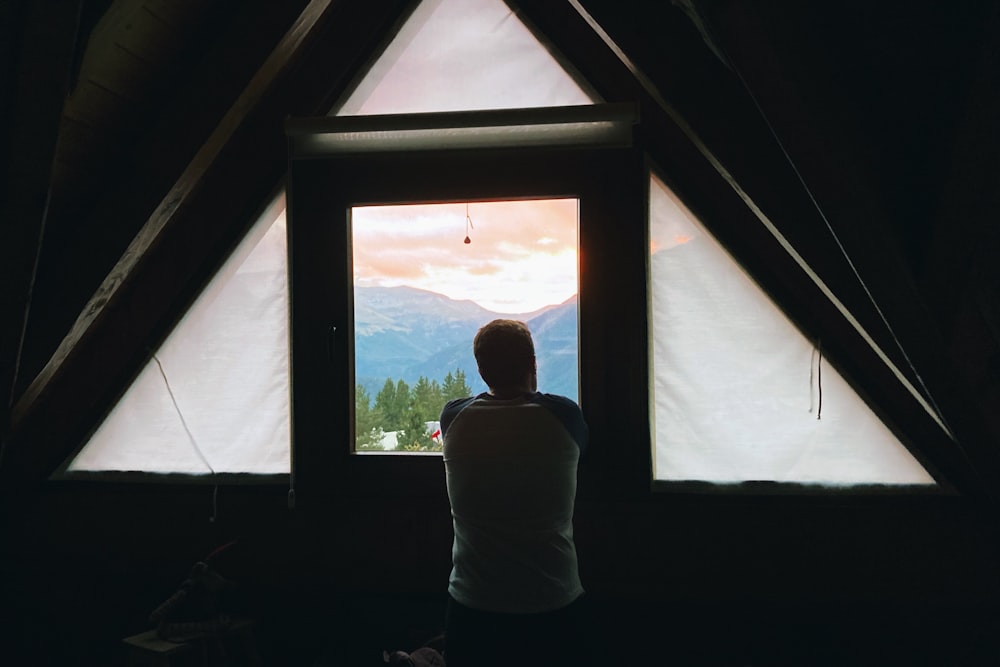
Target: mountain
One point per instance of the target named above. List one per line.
(395, 326)
(404, 332)
(555, 332)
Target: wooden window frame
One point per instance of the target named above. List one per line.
(607, 180)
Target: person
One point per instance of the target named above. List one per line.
(510, 456)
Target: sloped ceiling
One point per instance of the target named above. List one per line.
(872, 121)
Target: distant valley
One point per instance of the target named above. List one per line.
(405, 332)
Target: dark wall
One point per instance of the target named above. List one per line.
(713, 580)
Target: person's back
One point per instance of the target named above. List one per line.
(510, 458)
(511, 473)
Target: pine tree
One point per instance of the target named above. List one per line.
(427, 399)
(463, 387)
(402, 404)
(385, 406)
(413, 437)
(368, 431)
(454, 386)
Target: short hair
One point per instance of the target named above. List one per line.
(504, 352)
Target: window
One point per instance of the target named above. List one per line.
(214, 397)
(363, 191)
(737, 392)
(425, 278)
(461, 55)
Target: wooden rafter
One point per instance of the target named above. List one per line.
(280, 61)
(736, 147)
(243, 158)
(45, 37)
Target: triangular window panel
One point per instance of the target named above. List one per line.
(463, 55)
(735, 387)
(215, 396)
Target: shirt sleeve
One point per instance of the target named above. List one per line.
(451, 410)
(569, 413)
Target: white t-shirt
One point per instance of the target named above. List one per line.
(511, 472)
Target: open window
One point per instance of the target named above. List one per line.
(425, 278)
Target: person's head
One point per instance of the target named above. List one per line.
(506, 356)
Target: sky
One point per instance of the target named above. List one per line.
(522, 255)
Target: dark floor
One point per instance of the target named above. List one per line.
(51, 614)
(352, 630)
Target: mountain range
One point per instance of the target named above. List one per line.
(405, 332)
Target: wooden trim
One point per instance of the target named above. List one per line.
(609, 184)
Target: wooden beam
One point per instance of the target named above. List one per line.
(40, 47)
(202, 216)
(281, 61)
(809, 115)
(106, 182)
(706, 134)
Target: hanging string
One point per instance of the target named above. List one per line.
(816, 372)
(819, 378)
(924, 392)
(812, 385)
(468, 223)
(194, 443)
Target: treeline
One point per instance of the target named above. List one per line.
(406, 410)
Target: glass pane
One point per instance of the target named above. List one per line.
(459, 55)
(736, 387)
(426, 277)
(215, 398)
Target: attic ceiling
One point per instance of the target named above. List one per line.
(877, 116)
(133, 52)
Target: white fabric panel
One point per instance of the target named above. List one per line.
(735, 391)
(227, 364)
(461, 55)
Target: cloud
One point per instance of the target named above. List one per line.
(488, 269)
(392, 264)
(505, 263)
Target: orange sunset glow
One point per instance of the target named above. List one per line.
(522, 255)
(671, 224)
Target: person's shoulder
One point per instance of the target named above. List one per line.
(568, 412)
(556, 400)
(455, 405)
(455, 402)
